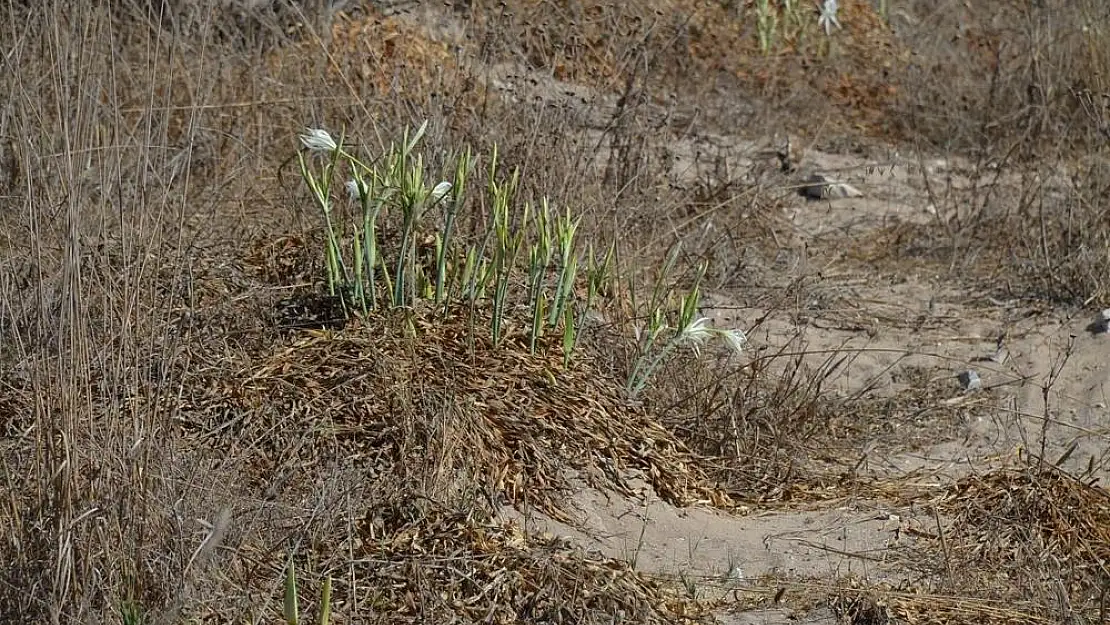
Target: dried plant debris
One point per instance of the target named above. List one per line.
(407, 387)
(1022, 546)
(310, 310)
(1032, 508)
(423, 563)
(1033, 528)
(886, 606)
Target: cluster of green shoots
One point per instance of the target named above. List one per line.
(525, 255)
(524, 252)
(777, 20)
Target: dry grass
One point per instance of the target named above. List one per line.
(1021, 546)
(168, 437)
(1023, 95)
(1034, 532)
(992, 78)
(432, 407)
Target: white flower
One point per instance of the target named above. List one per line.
(696, 333)
(701, 330)
(734, 340)
(828, 16)
(438, 193)
(318, 140)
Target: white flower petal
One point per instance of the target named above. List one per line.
(318, 140)
(828, 18)
(698, 330)
(696, 333)
(440, 190)
(734, 340)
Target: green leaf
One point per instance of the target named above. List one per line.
(325, 602)
(291, 612)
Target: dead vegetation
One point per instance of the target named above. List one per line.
(500, 423)
(1022, 547)
(1042, 533)
(169, 437)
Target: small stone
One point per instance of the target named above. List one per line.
(970, 380)
(824, 187)
(1101, 324)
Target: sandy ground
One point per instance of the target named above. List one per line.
(900, 324)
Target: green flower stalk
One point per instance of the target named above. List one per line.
(458, 186)
(692, 331)
(317, 142)
(566, 228)
(765, 25)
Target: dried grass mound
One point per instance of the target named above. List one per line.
(888, 607)
(1020, 528)
(366, 57)
(422, 563)
(1025, 546)
(409, 396)
(387, 53)
(695, 45)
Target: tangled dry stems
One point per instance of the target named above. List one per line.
(1024, 546)
(1024, 522)
(488, 572)
(389, 400)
